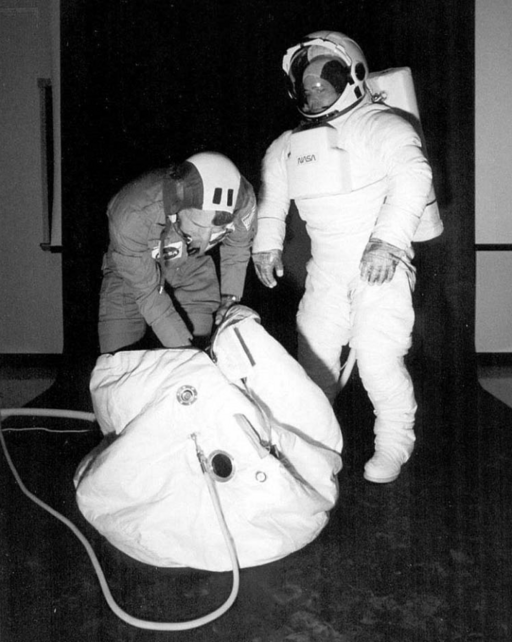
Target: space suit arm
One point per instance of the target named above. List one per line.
(141, 275)
(409, 178)
(130, 256)
(273, 198)
(235, 250)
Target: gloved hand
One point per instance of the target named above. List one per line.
(379, 261)
(226, 301)
(266, 263)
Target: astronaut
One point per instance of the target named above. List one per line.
(158, 271)
(361, 182)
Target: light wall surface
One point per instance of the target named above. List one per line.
(493, 171)
(30, 278)
(494, 302)
(493, 131)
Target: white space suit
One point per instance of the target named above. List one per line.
(361, 182)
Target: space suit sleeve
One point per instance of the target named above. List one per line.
(235, 250)
(141, 275)
(273, 201)
(409, 179)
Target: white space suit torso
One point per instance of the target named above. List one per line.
(383, 190)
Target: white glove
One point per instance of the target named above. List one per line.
(379, 261)
(266, 263)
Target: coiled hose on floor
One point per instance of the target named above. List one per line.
(126, 617)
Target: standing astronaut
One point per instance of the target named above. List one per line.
(361, 183)
(157, 271)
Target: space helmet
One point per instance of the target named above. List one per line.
(334, 58)
(203, 193)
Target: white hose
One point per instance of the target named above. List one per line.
(126, 617)
(47, 412)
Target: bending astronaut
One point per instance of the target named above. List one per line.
(158, 270)
(361, 182)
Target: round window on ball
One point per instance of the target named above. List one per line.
(222, 466)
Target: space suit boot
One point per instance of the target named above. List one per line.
(393, 447)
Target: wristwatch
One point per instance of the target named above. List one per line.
(230, 297)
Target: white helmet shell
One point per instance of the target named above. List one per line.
(220, 181)
(335, 45)
(206, 181)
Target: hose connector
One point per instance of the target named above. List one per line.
(200, 454)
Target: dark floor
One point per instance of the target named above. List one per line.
(427, 558)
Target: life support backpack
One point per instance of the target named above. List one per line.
(247, 415)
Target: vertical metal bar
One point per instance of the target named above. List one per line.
(46, 121)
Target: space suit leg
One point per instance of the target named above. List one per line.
(391, 392)
(323, 325)
(382, 329)
(120, 322)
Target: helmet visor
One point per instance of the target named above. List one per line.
(317, 82)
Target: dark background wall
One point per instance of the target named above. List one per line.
(147, 83)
